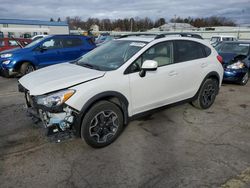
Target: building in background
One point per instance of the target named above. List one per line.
(174, 27)
(29, 28)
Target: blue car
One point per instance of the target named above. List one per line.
(236, 61)
(43, 52)
(102, 39)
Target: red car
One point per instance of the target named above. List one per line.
(9, 43)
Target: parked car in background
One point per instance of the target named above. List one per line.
(236, 60)
(216, 39)
(9, 43)
(38, 37)
(46, 51)
(97, 95)
(102, 39)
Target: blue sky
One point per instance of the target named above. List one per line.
(238, 10)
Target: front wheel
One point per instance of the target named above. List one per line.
(207, 94)
(26, 68)
(102, 124)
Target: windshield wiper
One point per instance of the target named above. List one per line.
(89, 66)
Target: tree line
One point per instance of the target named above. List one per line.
(143, 24)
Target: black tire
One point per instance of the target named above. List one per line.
(26, 68)
(207, 94)
(102, 124)
(244, 79)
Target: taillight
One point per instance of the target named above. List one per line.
(220, 59)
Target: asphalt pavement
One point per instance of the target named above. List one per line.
(177, 147)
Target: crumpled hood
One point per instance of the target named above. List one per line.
(57, 77)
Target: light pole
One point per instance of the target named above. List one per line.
(131, 24)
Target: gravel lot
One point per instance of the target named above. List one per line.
(178, 147)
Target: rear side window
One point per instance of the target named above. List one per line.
(188, 50)
(72, 42)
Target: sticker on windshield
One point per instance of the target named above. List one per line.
(244, 44)
(137, 44)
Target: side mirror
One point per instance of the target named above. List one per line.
(42, 48)
(148, 65)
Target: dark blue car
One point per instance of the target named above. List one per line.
(43, 52)
(236, 61)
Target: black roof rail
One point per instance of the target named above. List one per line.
(193, 35)
(161, 35)
(138, 34)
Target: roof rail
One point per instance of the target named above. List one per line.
(138, 34)
(161, 35)
(192, 35)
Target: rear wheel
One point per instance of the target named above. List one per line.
(207, 94)
(244, 79)
(26, 68)
(102, 124)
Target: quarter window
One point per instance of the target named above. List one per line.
(188, 50)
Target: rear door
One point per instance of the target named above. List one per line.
(48, 53)
(73, 48)
(189, 64)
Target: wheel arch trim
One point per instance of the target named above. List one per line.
(101, 96)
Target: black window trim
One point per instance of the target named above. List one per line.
(202, 47)
(127, 69)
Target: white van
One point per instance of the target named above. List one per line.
(216, 39)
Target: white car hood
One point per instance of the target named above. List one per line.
(57, 77)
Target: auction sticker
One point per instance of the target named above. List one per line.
(137, 44)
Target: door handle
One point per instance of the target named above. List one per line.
(204, 64)
(172, 73)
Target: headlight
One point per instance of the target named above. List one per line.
(238, 65)
(6, 62)
(6, 55)
(55, 99)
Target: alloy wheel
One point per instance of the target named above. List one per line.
(209, 94)
(104, 126)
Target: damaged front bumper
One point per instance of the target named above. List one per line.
(58, 121)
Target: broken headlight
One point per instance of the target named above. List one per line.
(55, 99)
(238, 65)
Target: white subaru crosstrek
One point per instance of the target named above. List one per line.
(95, 96)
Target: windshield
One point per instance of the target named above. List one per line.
(215, 39)
(33, 43)
(237, 48)
(110, 56)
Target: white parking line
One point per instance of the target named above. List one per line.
(10, 94)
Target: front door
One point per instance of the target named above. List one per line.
(155, 89)
(49, 52)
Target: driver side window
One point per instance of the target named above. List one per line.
(162, 53)
(52, 44)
